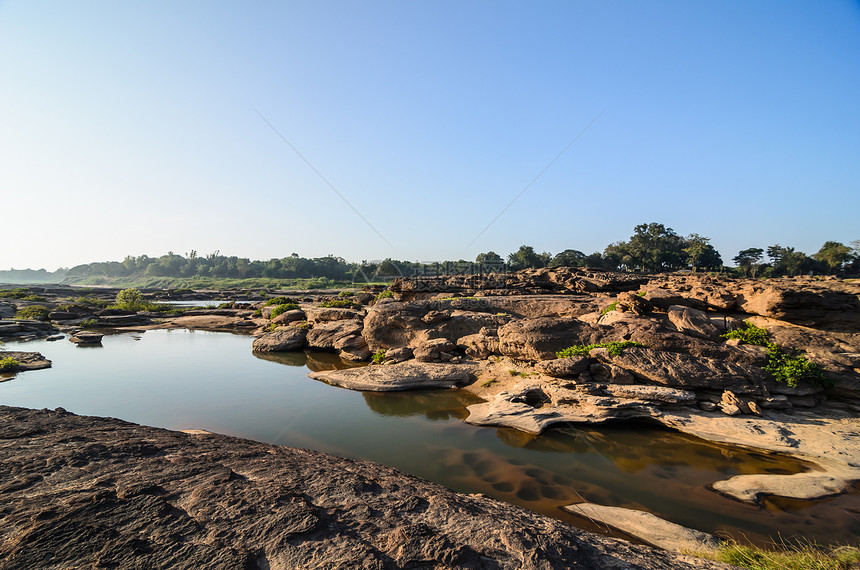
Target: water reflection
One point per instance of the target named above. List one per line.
(435, 405)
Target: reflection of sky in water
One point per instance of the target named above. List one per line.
(182, 379)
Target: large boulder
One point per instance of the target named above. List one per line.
(328, 334)
(540, 338)
(692, 322)
(407, 375)
(281, 340)
(684, 371)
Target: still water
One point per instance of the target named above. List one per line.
(183, 379)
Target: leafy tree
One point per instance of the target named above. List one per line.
(129, 299)
(749, 259)
(700, 253)
(594, 260)
(834, 254)
(568, 258)
(489, 258)
(525, 257)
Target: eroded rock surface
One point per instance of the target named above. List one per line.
(407, 375)
(94, 492)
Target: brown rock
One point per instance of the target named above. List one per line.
(282, 340)
(692, 322)
(563, 367)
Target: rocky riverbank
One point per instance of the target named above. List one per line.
(80, 491)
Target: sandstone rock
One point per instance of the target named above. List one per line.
(647, 527)
(779, 402)
(396, 355)
(693, 322)
(290, 317)
(86, 337)
(563, 367)
(664, 299)
(327, 334)
(684, 371)
(325, 314)
(431, 350)
(540, 338)
(659, 394)
(434, 317)
(707, 406)
(282, 340)
(26, 360)
(610, 373)
(479, 346)
(630, 303)
(129, 496)
(732, 405)
(808, 486)
(407, 375)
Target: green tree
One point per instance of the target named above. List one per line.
(833, 254)
(489, 258)
(525, 257)
(568, 258)
(749, 259)
(700, 252)
(653, 247)
(129, 299)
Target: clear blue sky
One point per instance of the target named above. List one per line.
(133, 127)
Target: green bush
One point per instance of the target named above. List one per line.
(339, 304)
(8, 364)
(33, 312)
(278, 301)
(346, 294)
(750, 334)
(257, 313)
(129, 300)
(89, 324)
(378, 356)
(784, 366)
(280, 309)
(384, 295)
(615, 348)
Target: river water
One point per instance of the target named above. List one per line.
(182, 379)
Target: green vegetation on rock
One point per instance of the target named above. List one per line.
(283, 308)
(8, 364)
(33, 312)
(784, 366)
(614, 348)
(799, 557)
(378, 356)
(610, 307)
(339, 304)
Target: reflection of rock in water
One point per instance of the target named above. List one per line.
(288, 358)
(315, 361)
(433, 404)
(319, 361)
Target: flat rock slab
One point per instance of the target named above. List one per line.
(806, 486)
(82, 492)
(647, 527)
(26, 360)
(407, 375)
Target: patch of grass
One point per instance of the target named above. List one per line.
(8, 364)
(302, 325)
(490, 382)
(806, 556)
(378, 356)
(339, 304)
(750, 334)
(513, 372)
(91, 301)
(278, 301)
(615, 348)
(384, 295)
(257, 313)
(271, 327)
(34, 313)
(23, 294)
(640, 294)
(346, 294)
(89, 324)
(283, 308)
(609, 307)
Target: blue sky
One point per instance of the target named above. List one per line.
(135, 127)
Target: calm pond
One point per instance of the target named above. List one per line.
(183, 379)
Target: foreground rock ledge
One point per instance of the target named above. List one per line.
(81, 491)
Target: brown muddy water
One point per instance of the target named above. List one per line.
(185, 379)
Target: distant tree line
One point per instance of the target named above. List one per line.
(652, 248)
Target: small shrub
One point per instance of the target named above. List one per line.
(303, 325)
(271, 327)
(8, 364)
(750, 334)
(615, 348)
(227, 305)
(609, 307)
(278, 301)
(339, 304)
(129, 300)
(513, 372)
(790, 369)
(283, 308)
(640, 294)
(34, 298)
(378, 356)
(257, 313)
(384, 295)
(488, 383)
(89, 324)
(34, 313)
(346, 294)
